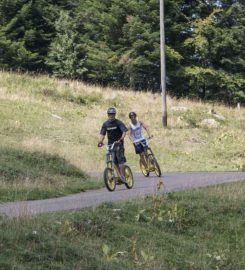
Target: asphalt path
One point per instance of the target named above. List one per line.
(143, 186)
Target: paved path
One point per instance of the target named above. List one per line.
(142, 187)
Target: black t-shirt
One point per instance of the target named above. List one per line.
(114, 130)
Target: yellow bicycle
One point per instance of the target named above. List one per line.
(151, 161)
(112, 175)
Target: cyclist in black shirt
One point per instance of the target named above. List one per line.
(116, 131)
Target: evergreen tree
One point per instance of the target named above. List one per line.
(66, 55)
(118, 42)
(217, 57)
(26, 30)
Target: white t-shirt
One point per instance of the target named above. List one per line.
(137, 132)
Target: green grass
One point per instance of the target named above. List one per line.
(198, 229)
(48, 136)
(36, 175)
(44, 117)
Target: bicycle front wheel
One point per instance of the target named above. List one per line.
(109, 180)
(157, 169)
(144, 169)
(129, 177)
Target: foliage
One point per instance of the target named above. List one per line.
(65, 56)
(218, 58)
(117, 42)
(25, 33)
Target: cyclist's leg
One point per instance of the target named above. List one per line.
(115, 162)
(118, 169)
(121, 160)
(143, 159)
(141, 149)
(122, 170)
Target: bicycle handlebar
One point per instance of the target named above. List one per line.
(146, 139)
(109, 146)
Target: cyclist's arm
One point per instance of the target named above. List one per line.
(102, 137)
(123, 136)
(130, 133)
(102, 134)
(146, 128)
(123, 129)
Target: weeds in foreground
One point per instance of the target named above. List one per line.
(211, 235)
(157, 212)
(140, 258)
(68, 228)
(109, 255)
(218, 260)
(174, 214)
(157, 202)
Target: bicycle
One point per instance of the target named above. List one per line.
(151, 161)
(112, 175)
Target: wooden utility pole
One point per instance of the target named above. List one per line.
(163, 65)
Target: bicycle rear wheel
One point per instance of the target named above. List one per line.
(143, 169)
(157, 169)
(109, 180)
(129, 177)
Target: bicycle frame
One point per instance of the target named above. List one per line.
(150, 163)
(109, 162)
(148, 153)
(111, 178)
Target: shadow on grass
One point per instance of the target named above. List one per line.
(37, 175)
(18, 164)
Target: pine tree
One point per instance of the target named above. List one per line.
(117, 42)
(26, 30)
(66, 56)
(217, 57)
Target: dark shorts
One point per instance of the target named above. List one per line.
(118, 156)
(140, 147)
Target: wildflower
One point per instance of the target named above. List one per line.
(218, 258)
(116, 210)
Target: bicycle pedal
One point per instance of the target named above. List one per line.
(123, 181)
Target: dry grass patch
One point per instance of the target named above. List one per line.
(62, 117)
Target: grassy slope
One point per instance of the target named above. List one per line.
(58, 122)
(198, 229)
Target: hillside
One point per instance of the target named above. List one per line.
(49, 131)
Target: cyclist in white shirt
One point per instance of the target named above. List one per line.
(136, 135)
